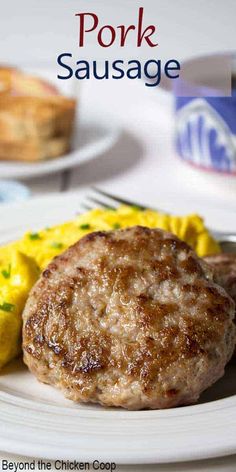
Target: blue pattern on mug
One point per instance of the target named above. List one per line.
(203, 135)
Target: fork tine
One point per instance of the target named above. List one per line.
(118, 199)
(86, 207)
(101, 203)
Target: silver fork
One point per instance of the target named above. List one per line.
(107, 200)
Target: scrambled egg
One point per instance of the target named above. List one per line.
(18, 273)
(22, 261)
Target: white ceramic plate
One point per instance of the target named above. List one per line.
(37, 421)
(91, 138)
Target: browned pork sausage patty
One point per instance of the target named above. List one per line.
(224, 269)
(128, 318)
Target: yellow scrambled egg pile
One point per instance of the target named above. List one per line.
(22, 261)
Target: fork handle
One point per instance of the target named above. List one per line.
(227, 241)
(224, 236)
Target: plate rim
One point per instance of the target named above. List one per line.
(120, 455)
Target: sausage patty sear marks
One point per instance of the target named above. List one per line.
(129, 318)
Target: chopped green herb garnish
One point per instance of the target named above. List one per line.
(7, 307)
(34, 236)
(57, 245)
(116, 226)
(85, 226)
(7, 272)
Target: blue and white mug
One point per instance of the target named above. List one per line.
(206, 116)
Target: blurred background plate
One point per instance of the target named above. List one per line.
(91, 139)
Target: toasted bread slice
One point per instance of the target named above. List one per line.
(33, 150)
(6, 77)
(14, 82)
(24, 117)
(35, 128)
(36, 122)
